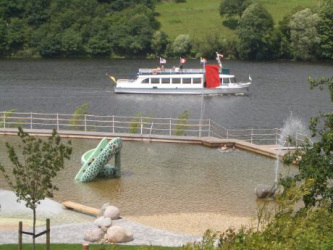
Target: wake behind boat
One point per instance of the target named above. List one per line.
(209, 80)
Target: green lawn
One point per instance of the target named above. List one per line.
(79, 247)
(201, 17)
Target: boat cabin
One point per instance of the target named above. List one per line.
(191, 79)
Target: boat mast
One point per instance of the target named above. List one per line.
(202, 107)
(218, 56)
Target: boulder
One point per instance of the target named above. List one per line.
(103, 222)
(265, 191)
(94, 235)
(112, 212)
(105, 205)
(117, 234)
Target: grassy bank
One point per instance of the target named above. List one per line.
(199, 18)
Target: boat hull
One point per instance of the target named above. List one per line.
(183, 91)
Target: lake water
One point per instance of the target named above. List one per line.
(60, 86)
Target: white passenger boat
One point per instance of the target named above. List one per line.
(210, 80)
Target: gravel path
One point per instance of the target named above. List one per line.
(69, 227)
(73, 233)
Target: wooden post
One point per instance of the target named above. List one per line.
(57, 121)
(20, 236)
(85, 123)
(170, 127)
(47, 234)
(251, 135)
(276, 136)
(85, 246)
(31, 120)
(141, 125)
(112, 123)
(200, 127)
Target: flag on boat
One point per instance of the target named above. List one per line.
(203, 60)
(182, 60)
(219, 55)
(162, 60)
(112, 78)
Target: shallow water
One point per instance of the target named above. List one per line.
(159, 178)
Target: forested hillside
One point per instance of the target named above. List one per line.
(247, 29)
(72, 28)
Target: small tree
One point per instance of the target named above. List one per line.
(325, 31)
(134, 126)
(7, 114)
(229, 8)
(34, 169)
(303, 34)
(78, 116)
(136, 122)
(182, 45)
(159, 42)
(254, 28)
(181, 123)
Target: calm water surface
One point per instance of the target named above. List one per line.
(52, 86)
(162, 178)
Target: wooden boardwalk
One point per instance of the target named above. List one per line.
(266, 150)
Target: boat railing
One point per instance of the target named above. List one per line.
(140, 125)
(168, 71)
(125, 80)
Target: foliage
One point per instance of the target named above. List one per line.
(315, 160)
(207, 243)
(254, 27)
(57, 28)
(212, 43)
(159, 43)
(34, 168)
(78, 116)
(136, 122)
(7, 114)
(284, 29)
(182, 45)
(231, 23)
(116, 28)
(181, 123)
(303, 34)
(132, 31)
(325, 30)
(287, 228)
(230, 8)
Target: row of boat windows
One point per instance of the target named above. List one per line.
(182, 80)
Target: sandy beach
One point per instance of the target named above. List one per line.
(69, 226)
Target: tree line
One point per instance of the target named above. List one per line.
(116, 28)
(303, 34)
